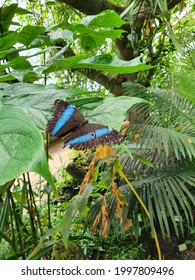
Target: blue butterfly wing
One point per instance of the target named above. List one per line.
(92, 135)
(78, 134)
(65, 119)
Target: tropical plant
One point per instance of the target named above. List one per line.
(161, 164)
(89, 51)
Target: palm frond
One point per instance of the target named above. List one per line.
(134, 89)
(166, 196)
(165, 140)
(167, 109)
(133, 167)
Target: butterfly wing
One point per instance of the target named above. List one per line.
(92, 135)
(65, 119)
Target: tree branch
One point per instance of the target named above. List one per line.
(91, 7)
(111, 84)
(123, 46)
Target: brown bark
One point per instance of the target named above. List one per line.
(104, 80)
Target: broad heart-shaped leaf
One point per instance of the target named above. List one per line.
(106, 19)
(36, 100)
(95, 29)
(113, 110)
(91, 39)
(21, 146)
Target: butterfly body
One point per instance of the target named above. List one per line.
(78, 134)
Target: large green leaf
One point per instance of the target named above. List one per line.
(7, 14)
(106, 63)
(76, 205)
(29, 33)
(93, 39)
(62, 64)
(112, 64)
(36, 100)
(94, 29)
(113, 110)
(61, 35)
(21, 146)
(20, 62)
(105, 19)
(22, 75)
(8, 40)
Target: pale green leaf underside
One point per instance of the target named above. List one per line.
(36, 100)
(113, 110)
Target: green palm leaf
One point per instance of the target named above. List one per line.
(166, 197)
(164, 140)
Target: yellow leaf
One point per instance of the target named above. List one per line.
(77, 226)
(190, 140)
(103, 151)
(137, 134)
(125, 126)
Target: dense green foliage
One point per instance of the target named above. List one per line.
(132, 62)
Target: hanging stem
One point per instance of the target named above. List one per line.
(120, 172)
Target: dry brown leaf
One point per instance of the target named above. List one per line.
(89, 175)
(119, 202)
(127, 224)
(95, 223)
(105, 219)
(119, 211)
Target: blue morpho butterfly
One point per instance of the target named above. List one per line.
(78, 134)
